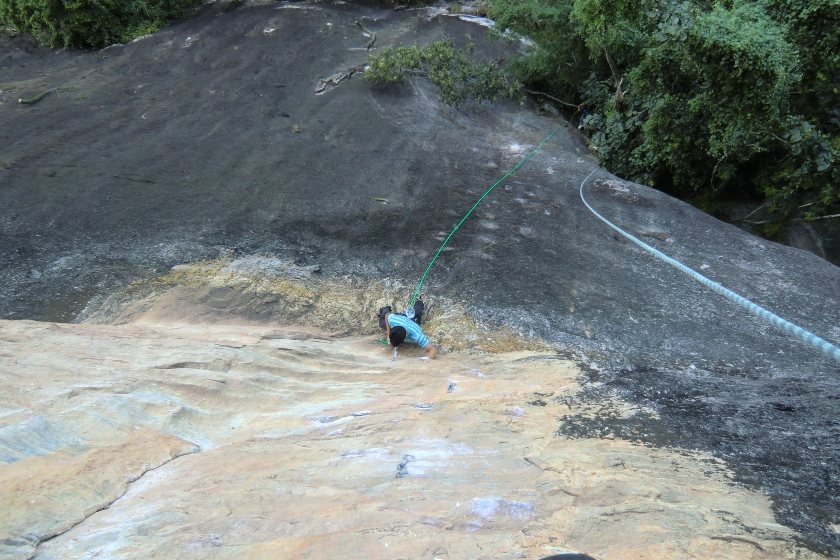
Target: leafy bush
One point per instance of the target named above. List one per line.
(699, 97)
(558, 63)
(452, 70)
(91, 23)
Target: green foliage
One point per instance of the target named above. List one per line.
(555, 65)
(715, 95)
(453, 71)
(91, 23)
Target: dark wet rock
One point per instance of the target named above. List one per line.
(787, 448)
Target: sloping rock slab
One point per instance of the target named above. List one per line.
(302, 441)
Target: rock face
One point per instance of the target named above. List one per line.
(181, 441)
(757, 424)
(199, 161)
(205, 147)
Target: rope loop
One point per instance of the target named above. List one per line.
(807, 337)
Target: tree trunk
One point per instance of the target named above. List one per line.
(614, 68)
(619, 94)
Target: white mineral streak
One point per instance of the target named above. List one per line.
(220, 441)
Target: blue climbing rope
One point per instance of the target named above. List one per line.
(787, 326)
(417, 291)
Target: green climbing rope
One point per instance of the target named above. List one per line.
(417, 291)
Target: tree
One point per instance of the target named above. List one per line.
(91, 23)
(454, 73)
(697, 97)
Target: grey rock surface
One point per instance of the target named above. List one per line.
(182, 146)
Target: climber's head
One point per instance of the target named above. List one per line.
(397, 336)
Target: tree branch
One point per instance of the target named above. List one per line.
(614, 68)
(830, 216)
(744, 219)
(549, 96)
(619, 94)
(817, 218)
(717, 190)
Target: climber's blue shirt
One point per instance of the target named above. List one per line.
(413, 331)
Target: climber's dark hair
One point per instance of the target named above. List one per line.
(397, 336)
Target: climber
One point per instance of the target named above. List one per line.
(584, 109)
(400, 328)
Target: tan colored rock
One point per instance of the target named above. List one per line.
(46, 495)
(254, 290)
(301, 436)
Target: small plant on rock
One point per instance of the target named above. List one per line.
(453, 71)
